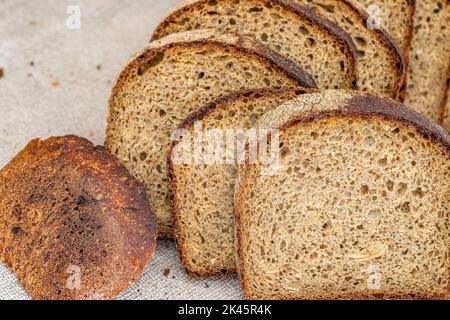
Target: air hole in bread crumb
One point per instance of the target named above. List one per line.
(360, 41)
(311, 42)
(418, 193)
(327, 8)
(285, 151)
(390, 185)
(143, 156)
(406, 208)
(365, 190)
(153, 62)
(304, 30)
(401, 189)
(264, 37)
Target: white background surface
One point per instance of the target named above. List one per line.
(37, 51)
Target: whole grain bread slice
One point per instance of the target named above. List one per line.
(202, 192)
(74, 223)
(446, 121)
(358, 209)
(173, 77)
(317, 45)
(380, 62)
(397, 18)
(429, 59)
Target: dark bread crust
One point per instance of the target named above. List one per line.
(370, 106)
(240, 46)
(220, 103)
(68, 203)
(361, 106)
(306, 13)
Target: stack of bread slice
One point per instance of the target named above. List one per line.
(359, 195)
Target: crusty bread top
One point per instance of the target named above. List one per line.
(353, 104)
(74, 223)
(228, 40)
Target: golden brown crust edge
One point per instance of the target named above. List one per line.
(189, 122)
(115, 181)
(304, 12)
(361, 105)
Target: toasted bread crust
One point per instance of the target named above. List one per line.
(57, 220)
(304, 12)
(361, 106)
(207, 39)
(189, 122)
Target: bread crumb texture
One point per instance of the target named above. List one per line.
(359, 209)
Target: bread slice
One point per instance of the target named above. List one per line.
(202, 193)
(447, 113)
(380, 62)
(429, 59)
(74, 223)
(315, 44)
(396, 17)
(358, 209)
(173, 77)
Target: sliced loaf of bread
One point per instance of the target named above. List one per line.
(173, 77)
(380, 62)
(315, 44)
(203, 193)
(429, 59)
(359, 207)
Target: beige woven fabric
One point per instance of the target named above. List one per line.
(57, 81)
